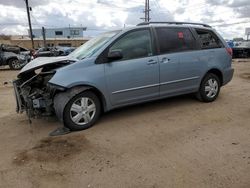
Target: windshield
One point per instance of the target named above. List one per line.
(92, 46)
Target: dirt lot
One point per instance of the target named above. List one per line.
(177, 142)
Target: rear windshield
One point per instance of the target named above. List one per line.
(208, 39)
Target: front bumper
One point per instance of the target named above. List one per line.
(19, 100)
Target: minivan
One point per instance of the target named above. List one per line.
(150, 61)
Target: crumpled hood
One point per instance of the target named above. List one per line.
(42, 61)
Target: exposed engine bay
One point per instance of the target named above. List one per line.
(32, 91)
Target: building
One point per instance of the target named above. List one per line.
(65, 32)
(66, 36)
(24, 41)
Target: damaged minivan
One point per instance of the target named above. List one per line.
(147, 62)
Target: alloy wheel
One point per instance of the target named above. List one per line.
(82, 111)
(211, 88)
(16, 64)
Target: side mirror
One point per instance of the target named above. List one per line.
(115, 55)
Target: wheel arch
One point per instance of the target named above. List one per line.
(98, 93)
(217, 72)
(11, 58)
(61, 98)
(9, 62)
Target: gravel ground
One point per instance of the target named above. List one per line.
(176, 142)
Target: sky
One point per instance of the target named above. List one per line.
(228, 17)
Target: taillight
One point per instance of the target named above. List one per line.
(230, 51)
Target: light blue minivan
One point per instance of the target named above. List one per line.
(150, 61)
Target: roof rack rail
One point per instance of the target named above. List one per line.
(177, 23)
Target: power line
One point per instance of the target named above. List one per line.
(228, 24)
(114, 6)
(37, 23)
(156, 13)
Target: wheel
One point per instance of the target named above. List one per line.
(209, 88)
(15, 64)
(82, 111)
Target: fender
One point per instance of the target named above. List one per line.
(215, 70)
(62, 98)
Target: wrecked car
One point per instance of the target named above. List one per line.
(53, 51)
(143, 63)
(242, 50)
(14, 56)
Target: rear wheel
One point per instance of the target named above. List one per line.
(82, 111)
(14, 64)
(209, 88)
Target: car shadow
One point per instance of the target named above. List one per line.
(152, 106)
(6, 68)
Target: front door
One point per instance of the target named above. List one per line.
(135, 77)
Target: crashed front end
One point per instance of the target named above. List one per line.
(33, 95)
(32, 92)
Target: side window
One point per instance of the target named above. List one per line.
(208, 39)
(175, 40)
(136, 44)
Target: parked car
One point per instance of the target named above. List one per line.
(44, 52)
(63, 51)
(14, 56)
(230, 43)
(242, 50)
(130, 66)
(53, 51)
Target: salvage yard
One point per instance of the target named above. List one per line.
(176, 142)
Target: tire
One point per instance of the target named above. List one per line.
(209, 88)
(82, 111)
(14, 64)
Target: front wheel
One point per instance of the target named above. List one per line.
(15, 64)
(209, 88)
(82, 111)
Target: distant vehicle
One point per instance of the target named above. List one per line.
(53, 51)
(65, 50)
(43, 52)
(230, 43)
(14, 56)
(130, 66)
(242, 50)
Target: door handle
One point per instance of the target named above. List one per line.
(151, 62)
(165, 60)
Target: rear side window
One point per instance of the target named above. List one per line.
(175, 40)
(208, 39)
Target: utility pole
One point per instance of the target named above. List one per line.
(44, 37)
(28, 14)
(146, 12)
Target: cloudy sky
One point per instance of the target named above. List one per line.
(229, 17)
